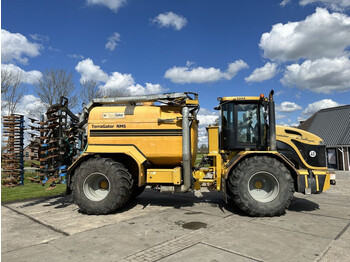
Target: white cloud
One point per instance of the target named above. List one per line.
(170, 19)
(337, 5)
(112, 41)
(301, 119)
(189, 63)
(27, 77)
(206, 118)
(75, 56)
(288, 107)
(280, 116)
(114, 5)
(124, 83)
(31, 105)
(320, 35)
(268, 71)
(284, 3)
(53, 49)
(39, 37)
(89, 71)
(332, 4)
(16, 47)
(289, 123)
(278, 93)
(182, 75)
(320, 76)
(314, 107)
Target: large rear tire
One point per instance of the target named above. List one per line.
(261, 186)
(101, 186)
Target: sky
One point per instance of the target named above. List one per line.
(299, 48)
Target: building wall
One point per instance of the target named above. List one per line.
(27, 154)
(338, 158)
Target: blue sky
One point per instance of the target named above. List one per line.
(215, 48)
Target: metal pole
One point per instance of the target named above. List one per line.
(186, 155)
(341, 149)
(272, 122)
(186, 149)
(21, 160)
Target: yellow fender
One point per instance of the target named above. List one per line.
(129, 150)
(240, 156)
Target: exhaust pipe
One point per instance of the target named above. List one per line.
(186, 156)
(272, 122)
(186, 149)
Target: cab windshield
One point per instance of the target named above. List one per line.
(243, 125)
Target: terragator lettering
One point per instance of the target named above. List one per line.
(102, 126)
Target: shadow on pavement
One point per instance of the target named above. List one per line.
(152, 198)
(58, 202)
(303, 205)
(183, 200)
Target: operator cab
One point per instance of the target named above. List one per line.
(243, 123)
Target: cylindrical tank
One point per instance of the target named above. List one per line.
(155, 130)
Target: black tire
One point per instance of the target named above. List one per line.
(101, 186)
(261, 186)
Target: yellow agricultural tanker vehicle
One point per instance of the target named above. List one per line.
(134, 142)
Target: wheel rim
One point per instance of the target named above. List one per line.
(96, 186)
(263, 186)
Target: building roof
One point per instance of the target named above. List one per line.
(331, 124)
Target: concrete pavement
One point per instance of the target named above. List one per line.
(190, 227)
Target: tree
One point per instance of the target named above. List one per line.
(11, 90)
(203, 149)
(54, 84)
(112, 92)
(89, 90)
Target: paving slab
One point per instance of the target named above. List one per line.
(318, 226)
(322, 205)
(167, 227)
(18, 231)
(63, 215)
(339, 250)
(203, 253)
(115, 242)
(269, 243)
(40, 253)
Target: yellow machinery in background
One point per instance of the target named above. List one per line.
(152, 140)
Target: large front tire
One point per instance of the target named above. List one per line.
(101, 186)
(261, 186)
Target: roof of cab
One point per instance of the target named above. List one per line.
(239, 98)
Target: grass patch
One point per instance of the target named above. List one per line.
(28, 163)
(29, 190)
(198, 158)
